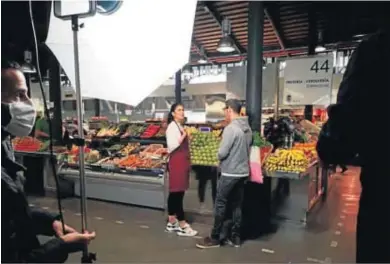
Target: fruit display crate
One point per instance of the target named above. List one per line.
(204, 149)
(291, 175)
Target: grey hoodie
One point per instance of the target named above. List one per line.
(234, 149)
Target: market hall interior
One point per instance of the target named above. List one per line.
(284, 61)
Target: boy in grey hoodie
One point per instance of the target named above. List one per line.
(233, 155)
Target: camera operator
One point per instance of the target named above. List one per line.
(365, 85)
(20, 224)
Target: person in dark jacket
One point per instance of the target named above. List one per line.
(363, 95)
(21, 224)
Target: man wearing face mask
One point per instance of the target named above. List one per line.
(20, 224)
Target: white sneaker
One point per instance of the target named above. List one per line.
(172, 227)
(186, 231)
(202, 208)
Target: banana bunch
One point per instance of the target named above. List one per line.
(108, 132)
(129, 148)
(113, 132)
(102, 132)
(287, 160)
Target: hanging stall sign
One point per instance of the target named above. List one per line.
(308, 81)
(117, 47)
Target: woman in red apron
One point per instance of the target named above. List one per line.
(179, 168)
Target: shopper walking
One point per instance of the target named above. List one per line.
(179, 168)
(365, 82)
(233, 155)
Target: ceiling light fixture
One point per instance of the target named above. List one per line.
(202, 61)
(320, 47)
(359, 35)
(203, 57)
(226, 43)
(27, 66)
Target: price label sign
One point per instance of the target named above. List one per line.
(308, 81)
(205, 129)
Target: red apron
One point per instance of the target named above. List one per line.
(179, 167)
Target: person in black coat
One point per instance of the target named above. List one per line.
(21, 224)
(363, 96)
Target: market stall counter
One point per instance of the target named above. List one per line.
(124, 163)
(297, 181)
(130, 166)
(40, 179)
(38, 164)
(142, 190)
(36, 158)
(302, 194)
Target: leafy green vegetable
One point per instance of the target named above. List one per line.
(259, 141)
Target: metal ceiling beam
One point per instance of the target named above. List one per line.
(269, 53)
(302, 50)
(275, 26)
(199, 48)
(267, 50)
(209, 7)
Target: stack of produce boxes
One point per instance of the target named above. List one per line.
(204, 146)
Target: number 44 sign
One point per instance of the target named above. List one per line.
(308, 81)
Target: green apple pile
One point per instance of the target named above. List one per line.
(204, 149)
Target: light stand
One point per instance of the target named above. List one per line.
(87, 257)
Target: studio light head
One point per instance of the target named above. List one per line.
(65, 9)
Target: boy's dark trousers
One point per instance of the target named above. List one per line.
(230, 194)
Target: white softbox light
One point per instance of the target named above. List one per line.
(126, 55)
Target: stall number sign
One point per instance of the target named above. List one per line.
(308, 81)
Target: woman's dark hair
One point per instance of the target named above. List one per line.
(173, 109)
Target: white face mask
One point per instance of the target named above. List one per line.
(22, 118)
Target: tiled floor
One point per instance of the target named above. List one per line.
(130, 234)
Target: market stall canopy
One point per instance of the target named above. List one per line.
(114, 64)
